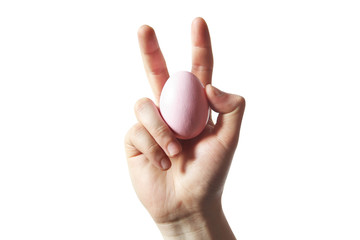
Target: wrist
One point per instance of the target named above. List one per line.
(209, 223)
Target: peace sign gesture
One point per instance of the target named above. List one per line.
(180, 182)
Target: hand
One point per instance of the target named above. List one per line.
(180, 182)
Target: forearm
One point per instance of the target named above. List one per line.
(209, 225)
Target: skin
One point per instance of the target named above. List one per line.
(180, 182)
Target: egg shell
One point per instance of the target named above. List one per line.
(183, 105)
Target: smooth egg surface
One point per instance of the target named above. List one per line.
(184, 106)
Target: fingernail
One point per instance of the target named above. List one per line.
(217, 92)
(173, 148)
(165, 164)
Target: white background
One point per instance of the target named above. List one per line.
(70, 73)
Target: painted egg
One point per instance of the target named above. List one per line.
(184, 106)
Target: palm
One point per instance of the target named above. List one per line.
(194, 176)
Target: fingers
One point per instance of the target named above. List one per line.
(140, 140)
(231, 109)
(158, 135)
(154, 62)
(202, 57)
(153, 59)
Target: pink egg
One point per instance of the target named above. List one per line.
(184, 106)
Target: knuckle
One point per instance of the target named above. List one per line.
(141, 104)
(241, 102)
(137, 130)
(130, 132)
(202, 68)
(238, 104)
(127, 137)
(153, 149)
(161, 131)
(238, 101)
(158, 71)
(130, 148)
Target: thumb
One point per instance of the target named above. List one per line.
(231, 109)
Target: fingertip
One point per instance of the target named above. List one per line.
(200, 33)
(213, 91)
(198, 20)
(142, 103)
(165, 164)
(147, 39)
(208, 88)
(223, 102)
(145, 30)
(173, 148)
(214, 97)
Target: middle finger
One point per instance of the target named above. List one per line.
(148, 115)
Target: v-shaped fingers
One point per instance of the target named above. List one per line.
(153, 59)
(202, 57)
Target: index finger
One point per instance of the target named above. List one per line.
(153, 59)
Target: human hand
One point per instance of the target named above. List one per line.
(180, 182)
